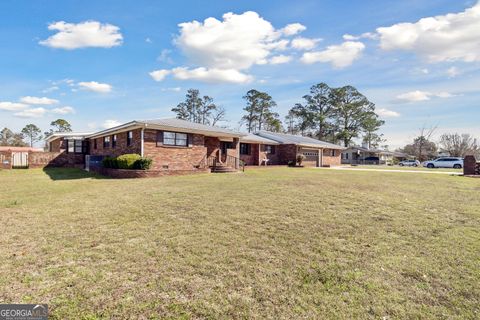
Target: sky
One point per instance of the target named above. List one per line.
(102, 63)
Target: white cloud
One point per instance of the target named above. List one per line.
(418, 95)
(50, 89)
(293, 28)
(82, 35)
(339, 56)
(239, 41)
(95, 86)
(31, 113)
(159, 75)
(449, 37)
(174, 89)
(280, 59)
(165, 56)
(63, 110)
(211, 75)
(38, 100)
(385, 113)
(12, 106)
(301, 43)
(107, 124)
(366, 35)
(453, 72)
(221, 50)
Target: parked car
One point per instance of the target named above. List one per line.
(409, 163)
(448, 162)
(371, 160)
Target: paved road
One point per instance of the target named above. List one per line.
(393, 170)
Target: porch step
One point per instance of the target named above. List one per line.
(223, 169)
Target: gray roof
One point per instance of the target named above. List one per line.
(362, 149)
(172, 124)
(184, 124)
(71, 135)
(253, 138)
(298, 140)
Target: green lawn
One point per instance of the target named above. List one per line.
(279, 243)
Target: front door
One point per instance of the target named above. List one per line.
(224, 146)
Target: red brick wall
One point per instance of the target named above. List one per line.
(286, 153)
(5, 156)
(272, 157)
(55, 159)
(56, 145)
(329, 160)
(176, 158)
(252, 158)
(131, 174)
(121, 146)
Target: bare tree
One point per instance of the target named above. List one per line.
(459, 145)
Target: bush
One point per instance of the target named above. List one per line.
(143, 163)
(127, 161)
(300, 159)
(109, 162)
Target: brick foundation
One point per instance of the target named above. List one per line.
(133, 174)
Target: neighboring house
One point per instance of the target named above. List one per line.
(179, 145)
(362, 155)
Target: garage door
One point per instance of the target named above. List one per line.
(311, 158)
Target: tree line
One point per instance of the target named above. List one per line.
(423, 146)
(329, 114)
(31, 134)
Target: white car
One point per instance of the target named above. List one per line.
(447, 162)
(409, 163)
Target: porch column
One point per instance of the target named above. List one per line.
(236, 146)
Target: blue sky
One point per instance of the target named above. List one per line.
(98, 63)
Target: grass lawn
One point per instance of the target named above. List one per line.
(281, 243)
(383, 167)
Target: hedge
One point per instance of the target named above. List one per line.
(127, 161)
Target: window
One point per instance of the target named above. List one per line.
(245, 148)
(175, 139)
(114, 141)
(106, 142)
(333, 153)
(94, 143)
(269, 149)
(346, 156)
(71, 146)
(76, 146)
(129, 138)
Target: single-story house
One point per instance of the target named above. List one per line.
(362, 155)
(179, 145)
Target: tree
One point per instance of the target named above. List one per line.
(199, 109)
(9, 138)
(371, 138)
(352, 112)
(32, 133)
(59, 125)
(320, 109)
(457, 145)
(259, 111)
(422, 147)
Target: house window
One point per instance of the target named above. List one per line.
(175, 139)
(245, 148)
(114, 141)
(95, 144)
(76, 146)
(129, 138)
(346, 156)
(269, 149)
(332, 153)
(106, 142)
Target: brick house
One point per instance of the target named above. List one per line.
(280, 149)
(177, 145)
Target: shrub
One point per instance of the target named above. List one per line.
(143, 163)
(127, 161)
(109, 162)
(300, 159)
